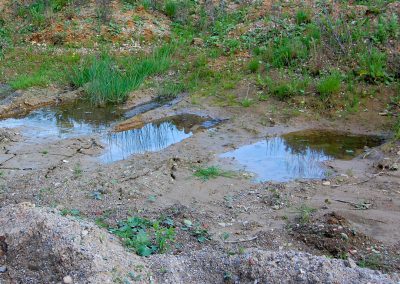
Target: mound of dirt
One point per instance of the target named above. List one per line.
(257, 266)
(333, 235)
(38, 245)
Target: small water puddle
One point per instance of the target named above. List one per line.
(70, 120)
(299, 155)
(81, 118)
(153, 136)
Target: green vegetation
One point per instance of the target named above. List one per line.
(145, 236)
(303, 17)
(305, 213)
(106, 82)
(71, 212)
(283, 88)
(329, 85)
(373, 65)
(210, 173)
(254, 65)
(171, 8)
(169, 90)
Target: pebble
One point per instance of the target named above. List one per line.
(67, 279)
(351, 263)
(3, 269)
(326, 183)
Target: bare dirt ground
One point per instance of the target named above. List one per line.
(357, 208)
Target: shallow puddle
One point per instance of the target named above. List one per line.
(71, 120)
(299, 155)
(151, 137)
(81, 118)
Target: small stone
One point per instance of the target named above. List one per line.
(3, 269)
(67, 279)
(344, 236)
(197, 41)
(351, 263)
(394, 167)
(327, 183)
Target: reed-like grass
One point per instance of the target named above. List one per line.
(105, 81)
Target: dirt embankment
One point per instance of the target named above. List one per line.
(40, 246)
(17, 103)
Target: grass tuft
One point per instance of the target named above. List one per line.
(329, 85)
(210, 173)
(106, 82)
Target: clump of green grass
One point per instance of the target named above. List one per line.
(286, 52)
(373, 261)
(171, 8)
(329, 85)
(145, 236)
(373, 65)
(284, 89)
(169, 90)
(246, 102)
(303, 17)
(211, 172)
(106, 82)
(254, 65)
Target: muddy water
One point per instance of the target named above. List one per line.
(299, 155)
(82, 119)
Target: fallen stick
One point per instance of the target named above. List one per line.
(241, 240)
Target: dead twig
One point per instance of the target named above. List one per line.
(241, 240)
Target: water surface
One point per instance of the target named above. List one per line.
(81, 119)
(299, 155)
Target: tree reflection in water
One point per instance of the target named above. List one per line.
(299, 154)
(151, 137)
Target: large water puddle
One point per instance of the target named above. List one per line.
(81, 119)
(299, 155)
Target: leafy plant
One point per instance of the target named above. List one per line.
(144, 236)
(305, 212)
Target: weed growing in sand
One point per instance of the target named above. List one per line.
(78, 170)
(373, 261)
(210, 173)
(145, 236)
(305, 213)
(71, 212)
